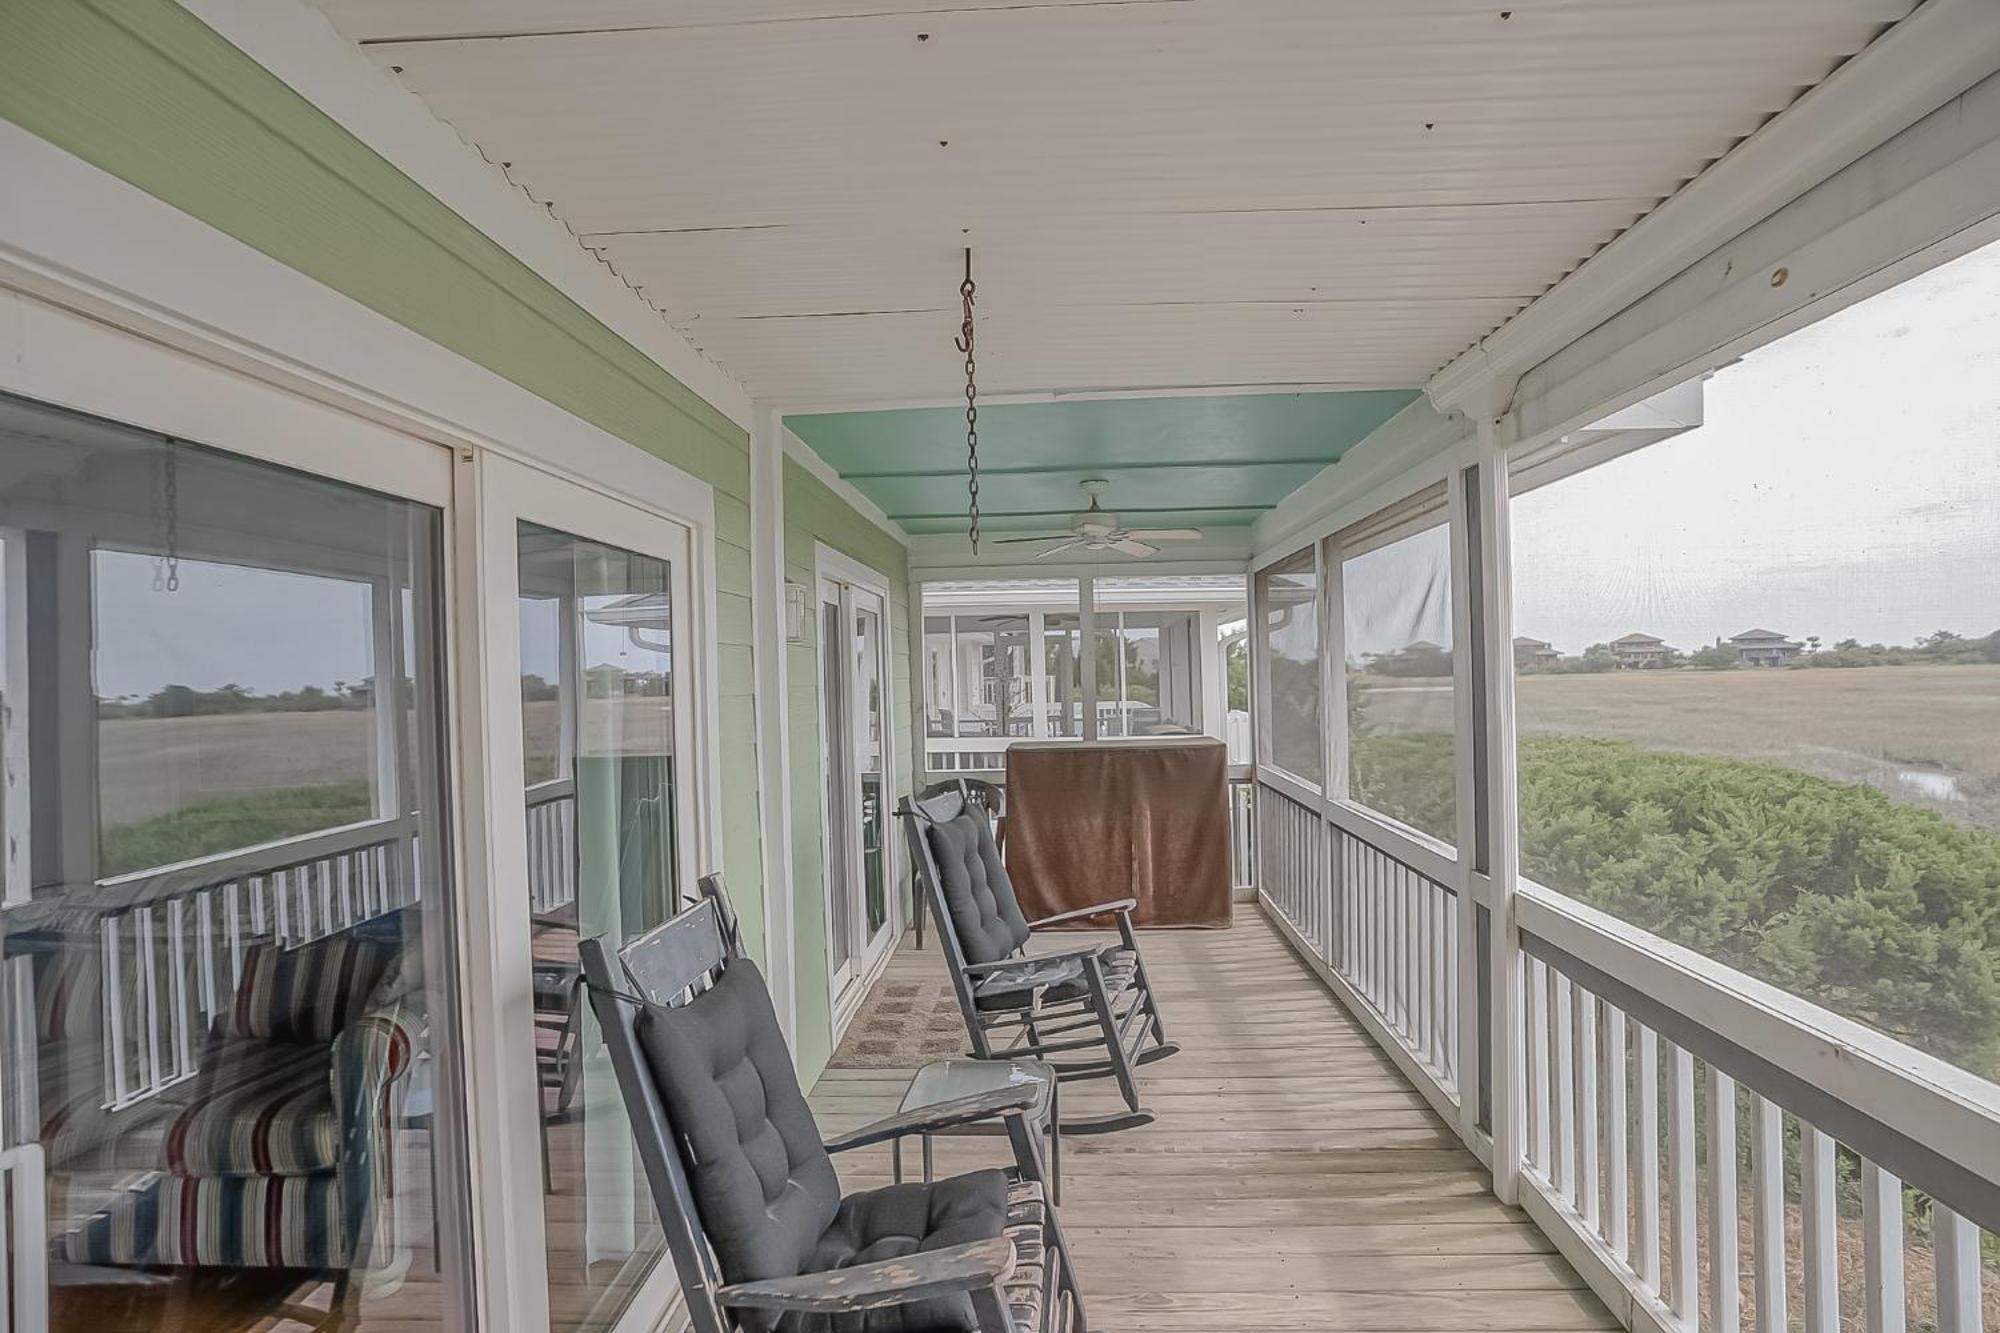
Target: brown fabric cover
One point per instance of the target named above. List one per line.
(1145, 819)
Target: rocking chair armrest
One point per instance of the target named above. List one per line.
(944, 1115)
(981, 969)
(916, 1277)
(1123, 905)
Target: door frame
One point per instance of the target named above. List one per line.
(833, 566)
(498, 495)
(116, 304)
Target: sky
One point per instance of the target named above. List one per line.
(1845, 484)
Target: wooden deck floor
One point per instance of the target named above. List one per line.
(1293, 1180)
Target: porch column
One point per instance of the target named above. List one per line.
(774, 764)
(1486, 501)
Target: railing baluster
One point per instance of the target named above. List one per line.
(1882, 1250)
(1820, 1230)
(178, 983)
(205, 925)
(1617, 1166)
(113, 963)
(1683, 1258)
(1538, 1067)
(1588, 1129)
(1648, 1238)
(1725, 1296)
(1955, 1243)
(146, 949)
(1564, 1109)
(1768, 1198)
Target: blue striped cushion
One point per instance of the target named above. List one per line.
(223, 1221)
(256, 1108)
(306, 994)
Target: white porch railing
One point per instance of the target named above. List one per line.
(171, 941)
(551, 845)
(1711, 1153)
(1242, 832)
(1383, 932)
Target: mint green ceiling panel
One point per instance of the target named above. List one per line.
(1229, 458)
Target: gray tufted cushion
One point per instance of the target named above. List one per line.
(902, 1220)
(984, 914)
(762, 1181)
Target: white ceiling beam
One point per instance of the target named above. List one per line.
(1939, 51)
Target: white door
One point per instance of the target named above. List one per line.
(855, 761)
(590, 716)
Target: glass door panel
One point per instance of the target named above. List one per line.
(871, 760)
(855, 760)
(600, 739)
(228, 981)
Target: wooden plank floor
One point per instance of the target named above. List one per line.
(1293, 1179)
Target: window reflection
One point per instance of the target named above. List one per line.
(597, 707)
(226, 905)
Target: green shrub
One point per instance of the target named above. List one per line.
(1887, 913)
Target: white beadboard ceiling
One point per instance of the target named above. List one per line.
(1158, 193)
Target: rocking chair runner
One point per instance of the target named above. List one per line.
(1093, 1005)
(762, 1239)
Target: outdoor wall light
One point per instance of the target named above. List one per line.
(797, 607)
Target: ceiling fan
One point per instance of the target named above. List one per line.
(1096, 530)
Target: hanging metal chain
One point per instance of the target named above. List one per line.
(167, 568)
(966, 291)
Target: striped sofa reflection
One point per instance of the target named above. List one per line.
(279, 1149)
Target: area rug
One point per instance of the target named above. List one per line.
(902, 1025)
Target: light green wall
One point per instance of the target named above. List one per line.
(814, 514)
(143, 90)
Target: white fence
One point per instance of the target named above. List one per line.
(1713, 1154)
(1383, 932)
(551, 846)
(171, 941)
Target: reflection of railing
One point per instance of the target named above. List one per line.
(171, 941)
(551, 845)
(1386, 931)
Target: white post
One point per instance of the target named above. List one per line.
(1496, 593)
(1086, 624)
(768, 644)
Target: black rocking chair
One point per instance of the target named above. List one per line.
(762, 1239)
(1087, 1013)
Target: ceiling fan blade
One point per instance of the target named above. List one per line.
(1054, 550)
(1167, 534)
(1043, 537)
(1130, 547)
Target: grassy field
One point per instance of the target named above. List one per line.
(1926, 735)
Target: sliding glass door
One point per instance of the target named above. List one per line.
(855, 762)
(226, 966)
(604, 847)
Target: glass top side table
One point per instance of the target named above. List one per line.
(948, 1080)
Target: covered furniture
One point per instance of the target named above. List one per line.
(761, 1235)
(1088, 1012)
(1143, 819)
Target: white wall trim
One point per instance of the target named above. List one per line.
(772, 708)
(802, 453)
(298, 44)
(87, 241)
(1415, 448)
(1935, 54)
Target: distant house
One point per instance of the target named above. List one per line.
(1764, 647)
(1638, 651)
(1535, 653)
(1423, 646)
